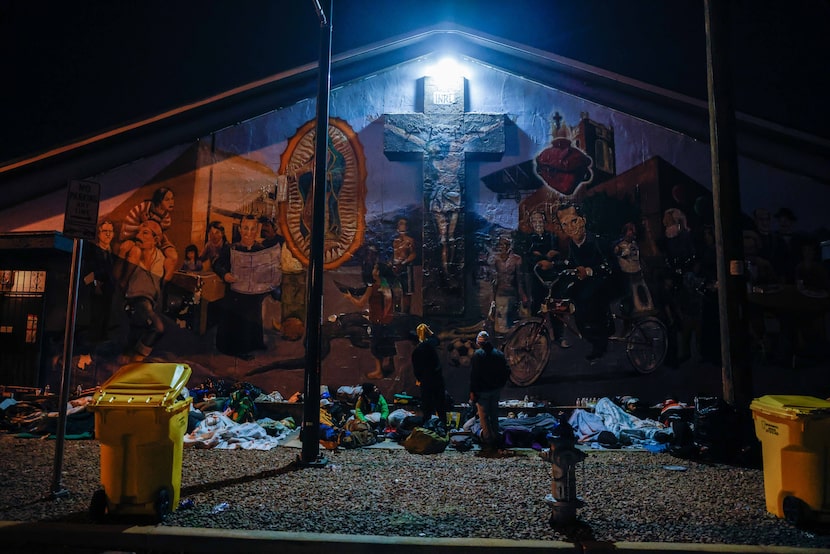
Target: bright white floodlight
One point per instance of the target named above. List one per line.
(447, 71)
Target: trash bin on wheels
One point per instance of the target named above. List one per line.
(795, 436)
(140, 423)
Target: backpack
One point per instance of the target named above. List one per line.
(358, 434)
(241, 407)
(424, 441)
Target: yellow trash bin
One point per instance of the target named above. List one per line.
(140, 423)
(795, 436)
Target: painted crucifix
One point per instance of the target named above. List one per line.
(443, 136)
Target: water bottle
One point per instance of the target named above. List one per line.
(219, 508)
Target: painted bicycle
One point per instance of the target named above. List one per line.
(529, 345)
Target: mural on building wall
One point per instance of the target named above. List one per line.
(443, 136)
(344, 198)
(206, 261)
(243, 295)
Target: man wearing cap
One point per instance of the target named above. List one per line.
(488, 376)
(427, 368)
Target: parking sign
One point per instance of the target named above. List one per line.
(81, 218)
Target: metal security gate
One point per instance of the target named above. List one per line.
(21, 312)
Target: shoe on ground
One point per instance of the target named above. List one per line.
(563, 343)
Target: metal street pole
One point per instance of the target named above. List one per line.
(732, 299)
(314, 288)
(66, 377)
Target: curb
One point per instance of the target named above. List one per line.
(32, 537)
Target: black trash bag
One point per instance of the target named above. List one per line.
(715, 423)
(607, 439)
(461, 442)
(682, 443)
(437, 425)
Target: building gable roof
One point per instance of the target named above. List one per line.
(28, 178)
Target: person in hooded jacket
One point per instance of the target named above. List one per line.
(371, 407)
(488, 375)
(426, 365)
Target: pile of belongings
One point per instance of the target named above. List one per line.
(340, 428)
(224, 416)
(219, 431)
(39, 417)
(428, 438)
(613, 426)
(708, 429)
(527, 432)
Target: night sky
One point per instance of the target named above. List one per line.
(74, 68)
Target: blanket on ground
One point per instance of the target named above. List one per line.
(219, 431)
(607, 416)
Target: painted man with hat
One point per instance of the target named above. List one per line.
(427, 368)
(488, 375)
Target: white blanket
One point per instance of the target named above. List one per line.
(219, 431)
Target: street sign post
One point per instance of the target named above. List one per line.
(81, 218)
(81, 223)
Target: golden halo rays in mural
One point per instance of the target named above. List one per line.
(345, 193)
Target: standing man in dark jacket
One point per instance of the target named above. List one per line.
(427, 368)
(488, 376)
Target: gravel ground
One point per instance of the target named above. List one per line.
(629, 496)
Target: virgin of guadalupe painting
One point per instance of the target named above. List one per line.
(345, 193)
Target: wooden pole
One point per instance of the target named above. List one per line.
(732, 278)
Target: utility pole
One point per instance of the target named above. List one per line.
(732, 278)
(314, 289)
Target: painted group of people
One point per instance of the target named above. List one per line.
(538, 256)
(135, 269)
(775, 255)
(138, 265)
(608, 275)
(388, 287)
(778, 256)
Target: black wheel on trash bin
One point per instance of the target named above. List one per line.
(98, 505)
(162, 504)
(796, 510)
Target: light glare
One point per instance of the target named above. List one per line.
(446, 71)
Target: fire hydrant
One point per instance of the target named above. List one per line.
(564, 456)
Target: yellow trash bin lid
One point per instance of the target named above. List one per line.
(791, 406)
(148, 384)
